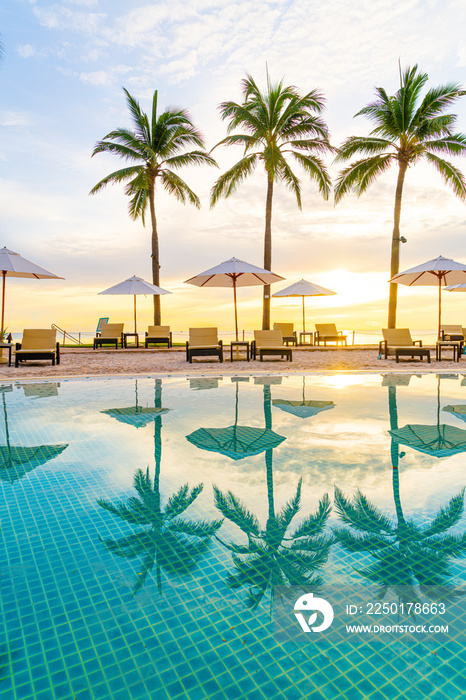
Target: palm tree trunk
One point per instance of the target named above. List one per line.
(395, 255)
(267, 253)
(155, 254)
(394, 449)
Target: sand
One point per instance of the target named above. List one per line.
(85, 362)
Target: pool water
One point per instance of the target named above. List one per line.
(145, 529)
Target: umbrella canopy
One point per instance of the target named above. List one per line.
(437, 440)
(441, 272)
(16, 461)
(303, 408)
(303, 288)
(135, 285)
(235, 441)
(234, 273)
(137, 416)
(456, 288)
(13, 265)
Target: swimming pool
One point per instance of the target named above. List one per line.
(165, 590)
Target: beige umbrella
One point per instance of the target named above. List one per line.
(135, 285)
(440, 271)
(13, 265)
(303, 288)
(234, 273)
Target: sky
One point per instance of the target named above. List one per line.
(61, 78)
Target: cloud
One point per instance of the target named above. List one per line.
(15, 119)
(26, 50)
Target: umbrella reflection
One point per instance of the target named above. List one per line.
(16, 461)
(167, 541)
(235, 441)
(303, 408)
(439, 440)
(136, 415)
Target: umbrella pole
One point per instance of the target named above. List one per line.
(236, 310)
(3, 359)
(439, 305)
(304, 317)
(135, 326)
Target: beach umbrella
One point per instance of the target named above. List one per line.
(234, 273)
(303, 288)
(13, 265)
(16, 461)
(303, 408)
(135, 285)
(235, 441)
(137, 416)
(441, 272)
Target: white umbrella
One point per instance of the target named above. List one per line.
(234, 273)
(456, 288)
(303, 288)
(135, 285)
(440, 271)
(13, 265)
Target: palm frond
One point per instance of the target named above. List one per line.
(450, 174)
(358, 176)
(359, 543)
(316, 170)
(313, 524)
(290, 509)
(140, 120)
(447, 517)
(192, 158)
(181, 500)
(178, 187)
(230, 181)
(117, 177)
(361, 514)
(453, 145)
(121, 510)
(196, 528)
(233, 509)
(364, 145)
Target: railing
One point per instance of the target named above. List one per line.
(67, 335)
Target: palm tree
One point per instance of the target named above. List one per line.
(406, 130)
(277, 123)
(156, 147)
(273, 556)
(167, 541)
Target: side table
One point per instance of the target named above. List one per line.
(455, 345)
(302, 337)
(239, 344)
(9, 346)
(130, 335)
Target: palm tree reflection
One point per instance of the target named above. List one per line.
(167, 541)
(274, 556)
(408, 559)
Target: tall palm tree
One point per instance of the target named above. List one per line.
(277, 123)
(406, 130)
(156, 147)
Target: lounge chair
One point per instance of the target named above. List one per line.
(451, 333)
(158, 334)
(203, 342)
(327, 333)
(288, 332)
(270, 343)
(110, 334)
(38, 344)
(398, 341)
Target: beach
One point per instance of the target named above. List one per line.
(85, 362)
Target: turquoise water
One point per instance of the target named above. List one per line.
(112, 592)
